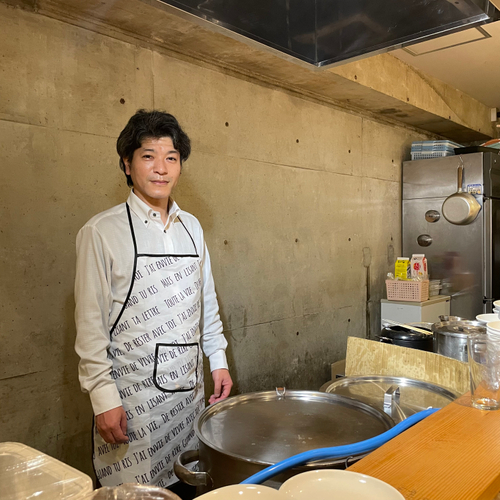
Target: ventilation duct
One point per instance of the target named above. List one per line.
(329, 32)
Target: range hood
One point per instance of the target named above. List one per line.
(330, 32)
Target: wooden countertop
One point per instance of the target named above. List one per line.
(453, 454)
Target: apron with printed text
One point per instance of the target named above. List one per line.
(157, 367)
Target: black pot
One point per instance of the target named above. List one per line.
(399, 335)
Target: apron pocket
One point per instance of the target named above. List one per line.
(176, 367)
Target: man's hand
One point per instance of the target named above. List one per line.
(222, 385)
(112, 425)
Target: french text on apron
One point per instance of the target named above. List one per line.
(157, 367)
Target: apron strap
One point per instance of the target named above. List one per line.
(132, 230)
(189, 234)
(133, 271)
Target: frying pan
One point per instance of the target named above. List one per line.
(461, 208)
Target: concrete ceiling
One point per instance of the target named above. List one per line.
(468, 61)
(382, 86)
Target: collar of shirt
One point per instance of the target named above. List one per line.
(147, 215)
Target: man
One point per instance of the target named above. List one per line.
(145, 304)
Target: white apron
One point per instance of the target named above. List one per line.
(157, 367)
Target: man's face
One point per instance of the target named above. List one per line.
(155, 169)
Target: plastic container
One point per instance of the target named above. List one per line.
(402, 268)
(407, 291)
(132, 491)
(434, 145)
(26, 473)
(419, 266)
(428, 155)
(425, 150)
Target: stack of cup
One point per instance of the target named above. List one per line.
(434, 287)
(484, 367)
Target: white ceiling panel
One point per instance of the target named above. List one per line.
(468, 61)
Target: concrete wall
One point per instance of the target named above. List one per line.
(300, 203)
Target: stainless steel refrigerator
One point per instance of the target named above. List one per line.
(465, 257)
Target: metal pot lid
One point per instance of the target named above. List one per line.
(267, 427)
(459, 328)
(399, 397)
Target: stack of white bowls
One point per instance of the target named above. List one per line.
(492, 317)
(493, 329)
(492, 321)
(487, 318)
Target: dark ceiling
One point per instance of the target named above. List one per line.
(325, 32)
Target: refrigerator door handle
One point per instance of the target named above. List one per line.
(487, 250)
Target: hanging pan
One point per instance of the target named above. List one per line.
(461, 208)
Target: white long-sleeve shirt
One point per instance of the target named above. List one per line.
(105, 261)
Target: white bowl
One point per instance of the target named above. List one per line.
(245, 492)
(330, 484)
(496, 303)
(493, 327)
(487, 318)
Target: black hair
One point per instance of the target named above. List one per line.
(150, 125)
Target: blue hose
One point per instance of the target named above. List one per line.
(338, 451)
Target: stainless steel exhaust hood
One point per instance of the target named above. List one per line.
(330, 32)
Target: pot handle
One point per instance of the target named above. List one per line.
(391, 397)
(190, 477)
(386, 340)
(460, 176)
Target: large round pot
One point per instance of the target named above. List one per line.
(450, 337)
(244, 434)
